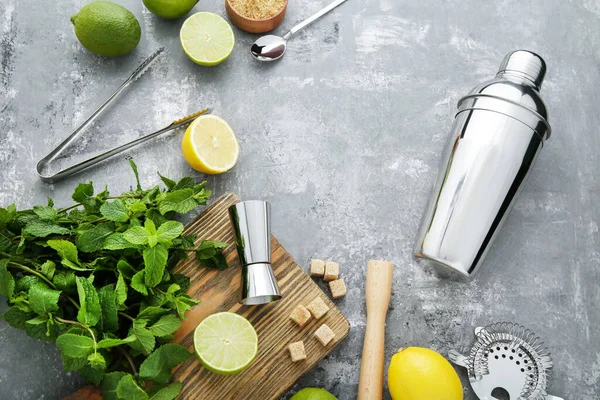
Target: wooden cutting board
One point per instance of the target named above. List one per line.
(272, 373)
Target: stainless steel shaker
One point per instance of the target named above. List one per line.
(251, 221)
(498, 131)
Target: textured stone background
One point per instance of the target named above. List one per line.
(343, 136)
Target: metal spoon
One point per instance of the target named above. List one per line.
(272, 47)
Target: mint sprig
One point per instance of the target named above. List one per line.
(96, 278)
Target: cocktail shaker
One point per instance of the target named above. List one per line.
(251, 221)
(498, 131)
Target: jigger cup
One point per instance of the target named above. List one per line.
(251, 221)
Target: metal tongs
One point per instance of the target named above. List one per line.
(44, 163)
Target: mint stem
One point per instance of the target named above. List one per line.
(29, 270)
(69, 322)
(129, 359)
(42, 277)
(122, 314)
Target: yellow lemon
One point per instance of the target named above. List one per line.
(210, 146)
(416, 373)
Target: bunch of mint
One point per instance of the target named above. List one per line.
(96, 279)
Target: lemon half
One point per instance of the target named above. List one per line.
(210, 146)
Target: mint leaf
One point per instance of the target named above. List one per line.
(121, 290)
(40, 319)
(181, 201)
(48, 268)
(166, 325)
(109, 319)
(5, 241)
(84, 194)
(68, 253)
(109, 385)
(137, 175)
(117, 241)
(7, 282)
(93, 239)
(136, 235)
(152, 312)
(156, 216)
(7, 214)
(137, 283)
(210, 254)
(73, 364)
(187, 182)
(97, 361)
(107, 343)
(168, 392)
(145, 338)
(42, 299)
(65, 280)
(115, 211)
(127, 389)
(126, 269)
(157, 367)
(137, 207)
(17, 318)
(201, 194)
(44, 332)
(169, 183)
(184, 303)
(39, 228)
(185, 242)
(155, 260)
(151, 231)
(25, 282)
(75, 346)
(92, 375)
(46, 213)
(90, 312)
(169, 231)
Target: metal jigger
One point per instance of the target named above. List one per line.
(251, 222)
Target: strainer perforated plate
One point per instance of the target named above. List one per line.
(507, 362)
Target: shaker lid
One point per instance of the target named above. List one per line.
(525, 64)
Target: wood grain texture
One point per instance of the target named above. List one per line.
(272, 373)
(378, 290)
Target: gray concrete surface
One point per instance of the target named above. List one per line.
(343, 136)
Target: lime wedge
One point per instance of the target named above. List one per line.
(206, 38)
(226, 343)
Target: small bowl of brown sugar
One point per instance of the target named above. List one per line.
(256, 16)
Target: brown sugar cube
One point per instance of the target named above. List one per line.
(317, 308)
(317, 267)
(297, 351)
(324, 334)
(337, 288)
(300, 315)
(332, 271)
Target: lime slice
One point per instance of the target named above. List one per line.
(210, 146)
(206, 38)
(226, 343)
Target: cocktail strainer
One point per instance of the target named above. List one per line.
(507, 362)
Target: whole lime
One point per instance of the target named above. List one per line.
(107, 29)
(313, 394)
(170, 9)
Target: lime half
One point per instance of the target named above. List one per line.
(206, 38)
(226, 343)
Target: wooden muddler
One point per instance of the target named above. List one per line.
(379, 291)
